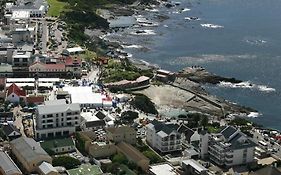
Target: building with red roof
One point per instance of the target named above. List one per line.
(14, 93)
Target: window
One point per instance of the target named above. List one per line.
(61, 114)
(57, 115)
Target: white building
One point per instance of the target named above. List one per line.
(23, 35)
(163, 137)
(86, 98)
(231, 147)
(56, 118)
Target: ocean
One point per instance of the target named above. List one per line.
(233, 38)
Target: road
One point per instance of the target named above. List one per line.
(259, 137)
(94, 75)
(44, 35)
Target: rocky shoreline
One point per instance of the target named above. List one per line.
(189, 79)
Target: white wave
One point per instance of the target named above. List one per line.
(185, 10)
(256, 41)
(247, 85)
(151, 10)
(213, 26)
(253, 114)
(192, 18)
(165, 25)
(149, 24)
(175, 12)
(132, 46)
(143, 32)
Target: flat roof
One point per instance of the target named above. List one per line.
(194, 164)
(162, 169)
(75, 49)
(85, 169)
(21, 14)
(84, 95)
(30, 84)
(89, 116)
(14, 80)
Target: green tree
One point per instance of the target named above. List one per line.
(204, 121)
(66, 161)
(129, 116)
(119, 158)
(144, 104)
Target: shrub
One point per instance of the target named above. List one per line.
(144, 104)
(66, 161)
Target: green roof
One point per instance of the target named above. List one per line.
(85, 169)
(50, 144)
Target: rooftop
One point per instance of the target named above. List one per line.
(8, 165)
(85, 169)
(51, 109)
(47, 168)
(161, 169)
(28, 148)
(194, 164)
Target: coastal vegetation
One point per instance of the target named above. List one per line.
(56, 7)
(144, 104)
(122, 70)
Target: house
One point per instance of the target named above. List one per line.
(29, 153)
(140, 82)
(89, 121)
(97, 144)
(6, 117)
(133, 155)
(7, 165)
(267, 170)
(192, 167)
(14, 93)
(164, 75)
(58, 146)
(231, 147)
(11, 131)
(163, 137)
(36, 8)
(122, 134)
(73, 51)
(2, 88)
(25, 34)
(47, 169)
(56, 118)
(188, 135)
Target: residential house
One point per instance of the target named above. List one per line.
(11, 131)
(29, 153)
(7, 165)
(231, 147)
(164, 75)
(47, 169)
(36, 8)
(15, 94)
(6, 52)
(2, 88)
(163, 137)
(23, 35)
(188, 136)
(133, 155)
(73, 51)
(192, 167)
(37, 100)
(122, 134)
(56, 118)
(58, 146)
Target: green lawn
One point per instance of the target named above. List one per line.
(56, 7)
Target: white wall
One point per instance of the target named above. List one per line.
(13, 98)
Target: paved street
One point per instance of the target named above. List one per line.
(44, 35)
(259, 137)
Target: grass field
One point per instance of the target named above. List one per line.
(56, 7)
